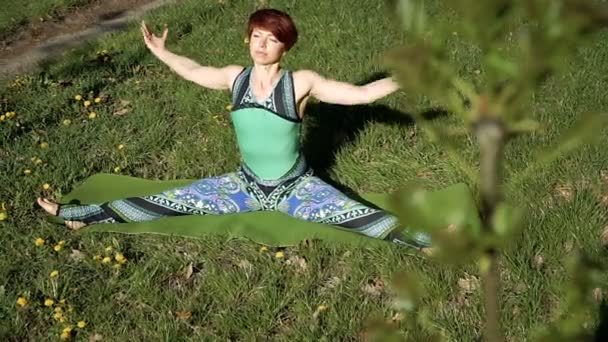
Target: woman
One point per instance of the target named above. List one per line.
(268, 105)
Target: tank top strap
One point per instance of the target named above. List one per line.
(285, 98)
(240, 85)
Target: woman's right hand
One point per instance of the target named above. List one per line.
(153, 42)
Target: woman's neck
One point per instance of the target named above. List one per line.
(266, 75)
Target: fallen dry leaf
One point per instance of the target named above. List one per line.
(95, 338)
(598, 295)
(189, 271)
(244, 264)
(538, 261)
(604, 237)
(468, 283)
(184, 314)
(330, 284)
(564, 191)
(77, 255)
(299, 263)
(568, 246)
(374, 288)
(121, 112)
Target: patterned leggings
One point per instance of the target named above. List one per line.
(299, 194)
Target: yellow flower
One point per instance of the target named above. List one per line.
(87, 103)
(116, 266)
(62, 301)
(27, 172)
(3, 216)
(58, 309)
(321, 308)
(62, 319)
(279, 255)
(44, 145)
(67, 329)
(9, 114)
(49, 302)
(121, 146)
(67, 122)
(2, 117)
(106, 260)
(57, 248)
(81, 324)
(61, 243)
(229, 107)
(46, 186)
(92, 115)
(117, 169)
(58, 316)
(54, 274)
(263, 249)
(37, 161)
(109, 249)
(21, 301)
(39, 242)
(78, 97)
(65, 335)
(120, 258)
(97, 257)
(97, 99)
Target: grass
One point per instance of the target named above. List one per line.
(15, 14)
(175, 130)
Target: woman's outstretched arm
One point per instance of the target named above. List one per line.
(331, 91)
(206, 76)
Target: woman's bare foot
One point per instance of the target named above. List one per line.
(53, 209)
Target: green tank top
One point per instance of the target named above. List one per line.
(267, 131)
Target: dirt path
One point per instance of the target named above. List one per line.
(42, 40)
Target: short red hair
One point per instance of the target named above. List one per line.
(275, 21)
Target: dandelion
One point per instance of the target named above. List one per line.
(21, 301)
(61, 243)
(58, 309)
(81, 324)
(58, 316)
(263, 249)
(78, 97)
(3, 216)
(279, 255)
(62, 301)
(39, 242)
(106, 260)
(92, 115)
(116, 266)
(117, 169)
(2, 117)
(65, 335)
(57, 248)
(37, 160)
(46, 186)
(97, 257)
(49, 302)
(44, 145)
(9, 114)
(67, 122)
(109, 249)
(27, 172)
(97, 99)
(229, 107)
(87, 103)
(321, 308)
(120, 258)
(54, 274)
(120, 147)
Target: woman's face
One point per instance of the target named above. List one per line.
(264, 47)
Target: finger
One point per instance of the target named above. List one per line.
(165, 32)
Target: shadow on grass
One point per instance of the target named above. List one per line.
(330, 127)
(601, 333)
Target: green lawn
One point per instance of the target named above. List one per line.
(173, 129)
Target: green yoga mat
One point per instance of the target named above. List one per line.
(265, 227)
